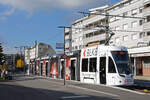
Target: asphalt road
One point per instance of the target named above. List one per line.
(35, 88)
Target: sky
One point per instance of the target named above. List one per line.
(22, 22)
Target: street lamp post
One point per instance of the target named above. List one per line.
(64, 56)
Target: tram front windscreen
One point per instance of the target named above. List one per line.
(121, 59)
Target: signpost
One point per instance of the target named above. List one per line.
(59, 48)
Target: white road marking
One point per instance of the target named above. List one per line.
(73, 97)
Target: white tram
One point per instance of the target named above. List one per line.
(108, 65)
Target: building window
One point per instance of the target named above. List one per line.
(125, 13)
(125, 26)
(134, 24)
(41, 49)
(96, 33)
(91, 34)
(142, 34)
(134, 12)
(125, 38)
(126, 4)
(121, 5)
(140, 9)
(134, 36)
(112, 19)
(148, 18)
(80, 47)
(84, 65)
(117, 28)
(117, 40)
(140, 22)
(80, 38)
(148, 33)
(76, 47)
(87, 35)
(92, 66)
(117, 18)
(147, 5)
(146, 64)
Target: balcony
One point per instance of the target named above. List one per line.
(94, 38)
(67, 37)
(146, 11)
(92, 29)
(67, 45)
(146, 2)
(146, 26)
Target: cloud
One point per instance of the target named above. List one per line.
(34, 5)
(3, 18)
(3, 15)
(9, 50)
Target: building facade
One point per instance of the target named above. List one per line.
(68, 39)
(37, 51)
(88, 31)
(77, 34)
(94, 32)
(131, 28)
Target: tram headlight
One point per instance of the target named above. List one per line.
(125, 81)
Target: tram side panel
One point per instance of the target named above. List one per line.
(88, 63)
(105, 65)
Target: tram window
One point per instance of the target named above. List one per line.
(84, 65)
(111, 68)
(92, 67)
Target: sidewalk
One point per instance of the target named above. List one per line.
(142, 81)
(146, 78)
(138, 80)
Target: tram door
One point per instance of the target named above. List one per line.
(102, 70)
(46, 68)
(73, 66)
(62, 69)
(41, 69)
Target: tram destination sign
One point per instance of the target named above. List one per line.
(88, 52)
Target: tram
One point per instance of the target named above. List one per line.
(108, 65)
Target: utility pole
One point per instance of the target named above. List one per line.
(64, 56)
(107, 28)
(35, 57)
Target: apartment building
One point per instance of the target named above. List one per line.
(37, 51)
(94, 32)
(127, 30)
(131, 30)
(146, 25)
(87, 31)
(68, 38)
(77, 34)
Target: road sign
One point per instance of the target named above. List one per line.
(64, 56)
(59, 45)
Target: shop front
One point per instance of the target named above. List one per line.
(141, 61)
